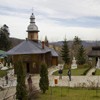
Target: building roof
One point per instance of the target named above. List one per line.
(54, 53)
(30, 47)
(2, 54)
(95, 52)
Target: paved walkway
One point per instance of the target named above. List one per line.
(77, 81)
(91, 71)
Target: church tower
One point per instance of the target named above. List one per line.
(32, 29)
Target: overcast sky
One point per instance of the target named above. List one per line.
(54, 18)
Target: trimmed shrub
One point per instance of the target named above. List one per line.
(44, 82)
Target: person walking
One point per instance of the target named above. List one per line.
(60, 73)
(6, 78)
(29, 80)
(69, 74)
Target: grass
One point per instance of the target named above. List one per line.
(97, 72)
(3, 73)
(65, 93)
(74, 72)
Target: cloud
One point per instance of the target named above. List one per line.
(80, 22)
(57, 8)
(55, 18)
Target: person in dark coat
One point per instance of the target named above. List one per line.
(6, 78)
(60, 73)
(69, 74)
(29, 80)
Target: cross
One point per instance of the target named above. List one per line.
(32, 9)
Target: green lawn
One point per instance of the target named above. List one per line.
(97, 72)
(74, 72)
(65, 93)
(3, 73)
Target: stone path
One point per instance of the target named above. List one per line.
(91, 71)
(77, 81)
(11, 80)
(8, 94)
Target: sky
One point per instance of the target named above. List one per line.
(55, 19)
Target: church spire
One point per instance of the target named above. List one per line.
(32, 26)
(32, 29)
(32, 18)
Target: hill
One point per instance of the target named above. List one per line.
(84, 43)
(15, 41)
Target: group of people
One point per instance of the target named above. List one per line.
(68, 73)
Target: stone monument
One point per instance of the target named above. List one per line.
(98, 64)
(73, 65)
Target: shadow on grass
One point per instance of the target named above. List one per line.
(96, 97)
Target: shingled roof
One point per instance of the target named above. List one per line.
(30, 47)
(2, 54)
(54, 53)
(95, 52)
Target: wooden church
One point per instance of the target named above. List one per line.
(95, 54)
(32, 51)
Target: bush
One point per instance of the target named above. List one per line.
(3, 73)
(86, 65)
(66, 66)
(21, 92)
(93, 73)
(34, 94)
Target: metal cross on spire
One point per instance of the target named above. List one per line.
(32, 10)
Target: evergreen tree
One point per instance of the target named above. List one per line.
(46, 41)
(44, 82)
(81, 57)
(77, 41)
(75, 46)
(21, 92)
(5, 28)
(5, 43)
(65, 52)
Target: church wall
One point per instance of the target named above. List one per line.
(32, 61)
(55, 61)
(36, 62)
(48, 58)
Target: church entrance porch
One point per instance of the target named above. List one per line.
(31, 67)
(27, 67)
